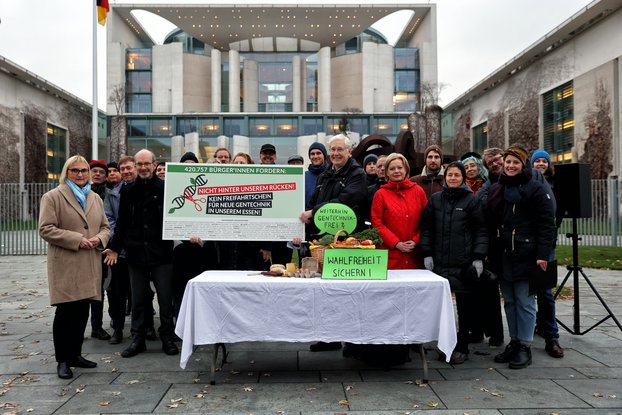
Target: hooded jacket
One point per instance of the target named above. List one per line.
(430, 183)
(454, 233)
(396, 212)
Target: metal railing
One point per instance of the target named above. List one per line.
(19, 213)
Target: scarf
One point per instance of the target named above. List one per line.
(79, 192)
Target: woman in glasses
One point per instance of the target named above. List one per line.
(73, 223)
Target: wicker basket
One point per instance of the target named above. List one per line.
(318, 252)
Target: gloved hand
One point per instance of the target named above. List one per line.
(479, 267)
(428, 263)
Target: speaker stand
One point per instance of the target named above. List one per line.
(575, 270)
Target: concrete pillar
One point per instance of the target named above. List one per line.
(234, 81)
(191, 143)
(304, 91)
(323, 75)
(216, 81)
(251, 86)
(296, 83)
(177, 148)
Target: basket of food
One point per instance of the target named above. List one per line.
(367, 239)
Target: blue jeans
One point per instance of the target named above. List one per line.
(520, 309)
(546, 315)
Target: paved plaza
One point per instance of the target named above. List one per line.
(285, 378)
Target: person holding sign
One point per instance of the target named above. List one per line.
(396, 213)
(454, 241)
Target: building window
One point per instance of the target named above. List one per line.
(161, 127)
(407, 86)
(209, 127)
(137, 128)
(186, 125)
(558, 122)
(275, 87)
(138, 80)
(56, 151)
(311, 98)
(480, 137)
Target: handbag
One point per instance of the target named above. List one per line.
(543, 280)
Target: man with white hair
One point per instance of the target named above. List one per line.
(343, 182)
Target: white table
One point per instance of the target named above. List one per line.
(411, 306)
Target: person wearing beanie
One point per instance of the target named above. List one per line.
(454, 246)
(189, 157)
(369, 165)
(520, 212)
(432, 175)
(318, 157)
(541, 161)
(114, 175)
(546, 323)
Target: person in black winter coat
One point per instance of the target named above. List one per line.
(521, 214)
(454, 241)
(139, 231)
(343, 182)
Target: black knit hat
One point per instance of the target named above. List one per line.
(318, 146)
(113, 165)
(370, 158)
(189, 156)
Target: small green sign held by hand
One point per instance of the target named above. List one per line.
(332, 217)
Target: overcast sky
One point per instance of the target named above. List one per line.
(475, 37)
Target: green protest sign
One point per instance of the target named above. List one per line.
(333, 217)
(355, 264)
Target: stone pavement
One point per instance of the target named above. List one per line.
(285, 378)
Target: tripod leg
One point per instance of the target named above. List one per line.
(601, 301)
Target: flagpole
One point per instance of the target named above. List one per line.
(94, 129)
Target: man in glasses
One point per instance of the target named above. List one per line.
(138, 230)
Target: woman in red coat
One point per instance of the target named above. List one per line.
(396, 211)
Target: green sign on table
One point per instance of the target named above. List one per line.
(333, 217)
(355, 264)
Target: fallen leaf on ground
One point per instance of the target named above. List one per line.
(248, 389)
(597, 395)
(104, 403)
(133, 381)
(234, 372)
(344, 402)
(311, 389)
(80, 389)
(432, 404)
(116, 393)
(349, 387)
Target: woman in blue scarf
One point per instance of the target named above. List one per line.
(73, 223)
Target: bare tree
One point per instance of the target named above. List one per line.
(118, 128)
(430, 93)
(598, 146)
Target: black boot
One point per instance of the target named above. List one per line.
(508, 354)
(117, 337)
(554, 349)
(64, 371)
(82, 362)
(137, 346)
(522, 359)
(168, 346)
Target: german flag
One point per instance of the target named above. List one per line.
(102, 10)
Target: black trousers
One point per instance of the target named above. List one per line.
(118, 292)
(68, 328)
(162, 278)
(97, 307)
(488, 310)
(189, 260)
(465, 305)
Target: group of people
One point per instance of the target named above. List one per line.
(483, 223)
(106, 218)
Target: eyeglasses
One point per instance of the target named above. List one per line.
(78, 171)
(144, 164)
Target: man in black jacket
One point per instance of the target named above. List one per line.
(343, 182)
(139, 231)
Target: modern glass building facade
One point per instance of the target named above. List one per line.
(268, 88)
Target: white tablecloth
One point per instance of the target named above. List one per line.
(411, 306)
